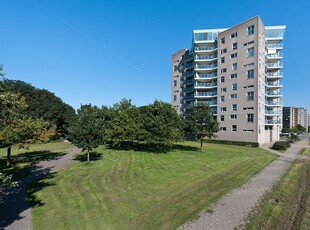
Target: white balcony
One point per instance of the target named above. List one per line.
(273, 84)
(274, 56)
(274, 65)
(206, 67)
(274, 75)
(205, 94)
(205, 58)
(273, 103)
(273, 113)
(205, 49)
(273, 122)
(273, 94)
(275, 46)
(203, 76)
(204, 85)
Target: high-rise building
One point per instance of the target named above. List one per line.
(293, 116)
(238, 73)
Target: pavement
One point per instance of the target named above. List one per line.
(232, 210)
(15, 212)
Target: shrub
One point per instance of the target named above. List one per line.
(239, 143)
(281, 145)
(294, 138)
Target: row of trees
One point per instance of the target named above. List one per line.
(126, 126)
(296, 129)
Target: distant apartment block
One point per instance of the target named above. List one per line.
(293, 116)
(238, 72)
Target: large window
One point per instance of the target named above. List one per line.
(234, 66)
(222, 117)
(250, 30)
(250, 117)
(223, 109)
(250, 73)
(233, 116)
(250, 96)
(223, 40)
(223, 90)
(223, 51)
(233, 35)
(234, 46)
(174, 97)
(234, 75)
(175, 83)
(251, 52)
(234, 107)
(234, 86)
(222, 60)
(222, 79)
(234, 55)
(234, 128)
(222, 99)
(233, 96)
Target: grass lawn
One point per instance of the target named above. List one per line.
(24, 158)
(288, 205)
(305, 151)
(140, 190)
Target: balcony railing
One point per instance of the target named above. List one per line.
(273, 102)
(272, 112)
(273, 122)
(189, 57)
(205, 48)
(275, 74)
(277, 55)
(274, 65)
(205, 94)
(209, 66)
(186, 74)
(189, 97)
(187, 82)
(275, 83)
(275, 46)
(204, 84)
(205, 75)
(189, 89)
(272, 93)
(205, 57)
(213, 102)
(189, 66)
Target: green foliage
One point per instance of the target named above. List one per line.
(87, 130)
(239, 143)
(42, 104)
(281, 145)
(200, 123)
(6, 180)
(309, 128)
(294, 138)
(286, 130)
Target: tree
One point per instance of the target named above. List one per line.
(42, 104)
(309, 128)
(300, 128)
(161, 124)
(87, 130)
(200, 123)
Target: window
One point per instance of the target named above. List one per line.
(234, 75)
(234, 128)
(224, 70)
(223, 109)
(250, 73)
(223, 40)
(223, 51)
(233, 116)
(234, 46)
(222, 99)
(248, 87)
(250, 96)
(248, 108)
(234, 86)
(251, 52)
(250, 30)
(234, 55)
(250, 117)
(248, 130)
(222, 118)
(248, 65)
(223, 129)
(233, 96)
(234, 66)
(222, 79)
(233, 35)
(175, 83)
(174, 97)
(234, 107)
(248, 43)
(223, 90)
(222, 60)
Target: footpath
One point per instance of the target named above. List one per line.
(232, 210)
(15, 212)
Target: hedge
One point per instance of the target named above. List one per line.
(226, 142)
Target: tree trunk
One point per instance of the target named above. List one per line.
(87, 155)
(201, 147)
(8, 158)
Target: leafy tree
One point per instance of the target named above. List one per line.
(42, 104)
(309, 128)
(161, 124)
(300, 128)
(87, 130)
(286, 130)
(123, 124)
(200, 123)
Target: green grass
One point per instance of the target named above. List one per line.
(24, 158)
(305, 151)
(287, 206)
(140, 190)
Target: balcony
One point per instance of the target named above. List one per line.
(276, 74)
(273, 103)
(189, 57)
(199, 76)
(273, 94)
(188, 66)
(275, 46)
(206, 67)
(273, 122)
(206, 94)
(273, 84)
(273, 113)
(206, 57)
(188, 82)
(188, 89)
(274, 56)
(205, 85)
(205, 49)
(188, 74)
(189, 97)
(273, 65)
(211, 103)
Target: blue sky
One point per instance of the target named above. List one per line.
(99, 51)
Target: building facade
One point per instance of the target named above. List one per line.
(293, 116)
(238, 73)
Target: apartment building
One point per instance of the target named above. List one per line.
(238, 73)
(293, 116)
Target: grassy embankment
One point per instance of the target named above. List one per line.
(287, 206)
(142, 190)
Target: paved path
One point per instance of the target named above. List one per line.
(15, 212)
(232, 210)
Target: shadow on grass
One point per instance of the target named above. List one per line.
(152, 147)
(93, 156)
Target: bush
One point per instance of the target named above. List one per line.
(294, 138)
(239, 143)
(281, 145)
